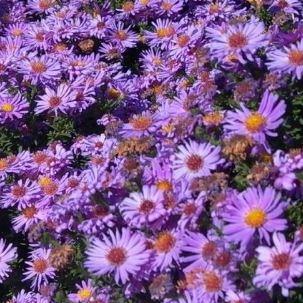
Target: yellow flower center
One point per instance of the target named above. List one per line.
(7, 107)
(45, 181)
(141, 123)
(165, 32)
(255, 218)
(255, 122)
(84, 294)
(164, 185)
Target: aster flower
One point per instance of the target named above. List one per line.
(196, 160)
(255, 210)
(288, 60)
(257, 124)
(60, 100)
(123, 254)
(85, 292)
(12, 107)
(8, 253)
(236, 41)
(42, 6)
(122, 36)
(287, 6)
(170, 7)
(144, 208)
(279, 264)
(39, 269)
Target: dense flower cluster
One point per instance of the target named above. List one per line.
(154, 160)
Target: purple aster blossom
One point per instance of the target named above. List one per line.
(254, 211)
(16, 30)
(86, 292)
(22, 194)
(237, 297)
(59, 100)
(169, 7)
(236, 41)
(42, 6)
(99, 26)
(144, 208)
(288, 60)
(288, 6)
(39, 270)
(167, 247)
(122, 36)
(36, 69)
(279, 264)
(13, 107)
(38, 36)
(8, 253)
(257, 124)
(123, 254)
(196, 160)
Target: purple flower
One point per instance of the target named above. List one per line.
(7, 254)
(255, 210)
(257, 124)
(85, 293)
(279, 264)
(12, 107)
(123, 254)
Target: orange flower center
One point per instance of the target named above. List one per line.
(255, 122)
(121, 35)
(17, 32)
(213, 118)
(40, 265)
(128, 6)
(7, 107)
(281, 261)
(29, 212)
(144, 2)
(212, 282)
(18, 191)
(146, 207)
(141, 123)
(214, 8)
(165, 32)
(54, 102)
(296, 57)
(223, 259)
(84, 294)
(40, 37)
(164, 185)
(166, 5)
(194, 162)
(165, 242)
(45, 4)
(38, 67)
(255, 218)
(3, 164)
(40, 157)
(237, 40)
(189, 209)
(116, 256)
(183, 40)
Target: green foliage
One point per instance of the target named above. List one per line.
(62, 129)
(295, 214)
(240, 172)
(265, 16)
(9, 141)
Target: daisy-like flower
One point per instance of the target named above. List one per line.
(42, 6)
(287, 6)
(170, 7)
(13, 107)
(279, 264)
(257, 124)
(237, 297)
(60, 100)
(196, 160)
(255, 210)
(39, 269)
(236, 41)
(123, 254)
(122, 36)
(7, 254)
(143, 208)
(288, 60)
(167, 246)
(84, 294)
(39, 69)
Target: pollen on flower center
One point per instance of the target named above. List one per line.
(40, 265)
(45, 4)
(165, 32)
(128, 6)
(38, 67)
(212, 281)
(255, 218)
(121, 35)
(18, 191)
(281, 261)
(29, 212)
(237, 40)
(189, 209)
(183, 40)
(3, 164)
(165, 242)
(209, 249)
(54, 101)
(17, 32)
(146, 206)
(164, 185)
(255, 122)
(141, 123)
(7, 107)
(166, 6)
(116, 256)
(194, 162)
(45, 181)
(296, 57)
(84, 294)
